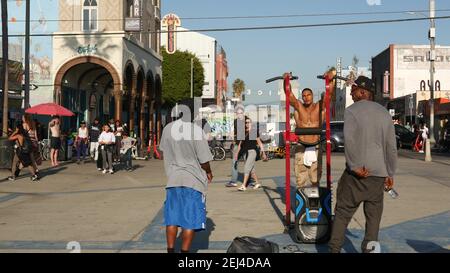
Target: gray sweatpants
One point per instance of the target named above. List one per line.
(351, 192)
(250, 162)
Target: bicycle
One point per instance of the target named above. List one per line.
(44, 149)
(218, 153)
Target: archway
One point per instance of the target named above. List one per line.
(84, 85)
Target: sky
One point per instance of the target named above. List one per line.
(39, 9)
(257, 55)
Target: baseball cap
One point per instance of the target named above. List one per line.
(365, 83)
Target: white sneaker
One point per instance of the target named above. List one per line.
(99, 169)
(242, 188)
(257, 186)
(111, 171)
(104, 171)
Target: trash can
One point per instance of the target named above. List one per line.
(70, 144)
(6, 153)
(63, 152)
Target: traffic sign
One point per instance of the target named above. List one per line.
(32, 87)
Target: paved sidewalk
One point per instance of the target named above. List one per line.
(123, 212)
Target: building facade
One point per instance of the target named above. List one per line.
(107, 62)
(401, 74)
(221, 77)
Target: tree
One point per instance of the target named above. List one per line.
(238, 88)
(5, 71)
(177, 77)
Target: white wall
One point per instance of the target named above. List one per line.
(411, 67)
(204, 47)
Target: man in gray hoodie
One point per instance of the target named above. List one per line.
(371, 161)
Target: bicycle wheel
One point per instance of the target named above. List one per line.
(45, 153)
(219, 153)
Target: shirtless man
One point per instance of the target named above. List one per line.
(55, 140)
(307, 116)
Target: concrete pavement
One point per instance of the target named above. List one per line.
(123, 212)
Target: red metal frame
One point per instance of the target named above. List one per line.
(287, 89)
(328, 130)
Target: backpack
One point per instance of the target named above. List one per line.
(248, 244)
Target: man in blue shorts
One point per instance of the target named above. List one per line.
(186, 160)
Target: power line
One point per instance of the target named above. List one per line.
(307, 15)
(241, 28)
(255, 16)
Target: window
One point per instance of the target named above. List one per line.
(90, 17)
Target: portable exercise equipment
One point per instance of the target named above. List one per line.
(313, 205)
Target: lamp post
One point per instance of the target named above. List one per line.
(27, 55)
(432, 37)
(432, 56)
(192, 78)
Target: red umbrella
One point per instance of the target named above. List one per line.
(49, 109)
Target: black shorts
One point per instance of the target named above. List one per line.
(55, 143)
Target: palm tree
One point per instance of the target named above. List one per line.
(5, 71)
(238, 88)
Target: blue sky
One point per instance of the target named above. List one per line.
(256, 55)
(48, 9)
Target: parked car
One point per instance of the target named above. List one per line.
(337, 136)
(405, 138)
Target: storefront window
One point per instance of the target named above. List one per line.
(90, 17)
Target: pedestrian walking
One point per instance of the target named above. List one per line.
(424, 133)
(94, 133)
(118, 134)
(81, 141)
(30, 127)
(371, 161)
(127, 144)
(22, 153)
(107, 142)
(186, 160)
(55, 140)
(248, 147)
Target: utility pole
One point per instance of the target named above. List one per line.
(432, 36)
(27, 54)
(192, 78)
(5, 86)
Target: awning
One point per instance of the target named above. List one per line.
(441, 107)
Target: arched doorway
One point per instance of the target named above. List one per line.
(129, 91)
(158, 106)
(150, 106)
(138, 103)
(85, 85)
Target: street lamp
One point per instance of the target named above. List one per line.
(192, 78)
(432, 56)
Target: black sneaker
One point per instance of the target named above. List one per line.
(11, 178)
(35, 178)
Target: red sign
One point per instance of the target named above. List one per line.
(171, 22)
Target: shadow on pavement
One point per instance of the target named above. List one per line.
(201, 239)
(426, 247)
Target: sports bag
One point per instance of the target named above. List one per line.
(248, 244)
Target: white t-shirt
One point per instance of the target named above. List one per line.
(83, 133)
(183, 155)
(425, 133)
(107, 137)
